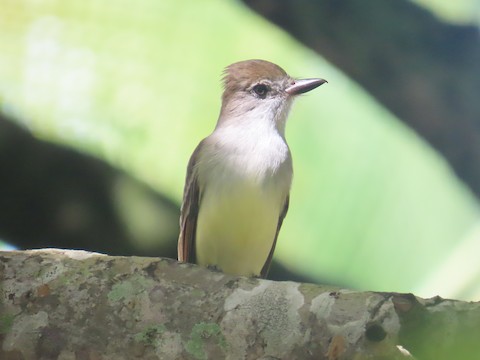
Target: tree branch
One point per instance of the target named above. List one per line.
(66, 304)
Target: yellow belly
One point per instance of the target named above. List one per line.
(236, 230)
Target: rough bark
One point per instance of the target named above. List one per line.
(422, 69)
(66, 304)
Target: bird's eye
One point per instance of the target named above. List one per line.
(261, 90)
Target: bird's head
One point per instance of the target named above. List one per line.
(260, 89)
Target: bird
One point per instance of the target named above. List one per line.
(238, 180)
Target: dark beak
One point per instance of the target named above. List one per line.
(301, 86)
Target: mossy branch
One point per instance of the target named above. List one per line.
(67, 304)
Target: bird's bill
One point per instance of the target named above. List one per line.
(301, 86)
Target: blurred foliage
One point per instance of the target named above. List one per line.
(372, 206)
(462, 11)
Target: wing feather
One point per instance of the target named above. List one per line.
(189, 212)
(266, 266)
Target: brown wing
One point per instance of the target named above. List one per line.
(266, 266)
(189, 212)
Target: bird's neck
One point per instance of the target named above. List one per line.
(251, 148)
(269, 118)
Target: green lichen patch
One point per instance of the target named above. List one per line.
(150, 335)
(202, 334)
(198, 293)
(128, 289)
(6, 323)
(120, 291)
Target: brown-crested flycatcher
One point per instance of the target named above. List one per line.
(238, 178)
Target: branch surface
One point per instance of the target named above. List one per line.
(70, 304)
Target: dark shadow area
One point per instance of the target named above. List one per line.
(51, 196)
